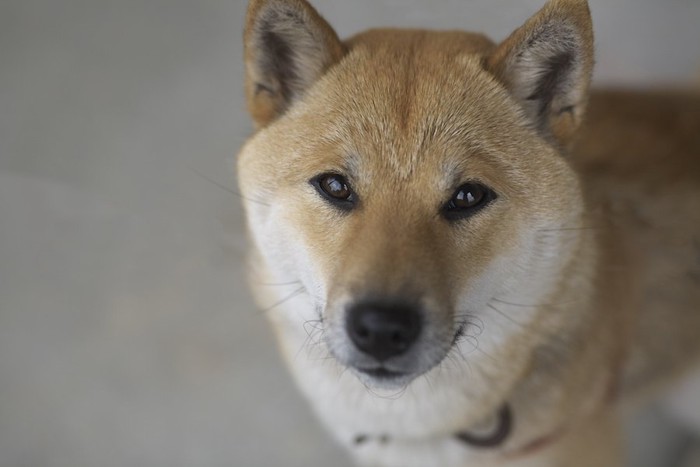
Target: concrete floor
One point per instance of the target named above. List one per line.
(127, 336)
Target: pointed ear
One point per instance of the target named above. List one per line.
(288, 46)
(547, 64)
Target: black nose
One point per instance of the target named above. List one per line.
(383, 330)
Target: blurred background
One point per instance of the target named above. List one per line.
(127, 336)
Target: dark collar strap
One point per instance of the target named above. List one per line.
(497, 437)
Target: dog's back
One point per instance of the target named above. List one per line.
(639, 156)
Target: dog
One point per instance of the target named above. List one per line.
(468, 258)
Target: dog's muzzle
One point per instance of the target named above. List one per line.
(382, 331)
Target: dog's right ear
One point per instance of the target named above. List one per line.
(288, 46)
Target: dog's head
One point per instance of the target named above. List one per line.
(414, 182)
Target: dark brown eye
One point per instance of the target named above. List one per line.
(335, 189)
(467, 200)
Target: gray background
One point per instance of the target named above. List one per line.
(127, 337)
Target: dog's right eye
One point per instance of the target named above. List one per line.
(335, 189)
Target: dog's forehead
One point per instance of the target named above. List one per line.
(400, 98)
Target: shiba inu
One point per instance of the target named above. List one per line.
(460, 270)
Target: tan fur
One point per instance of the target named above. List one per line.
(580, 282)
(639, 156)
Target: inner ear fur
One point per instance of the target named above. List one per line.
(546, 65)
(288, 46)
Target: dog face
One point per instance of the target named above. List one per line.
(412, 183)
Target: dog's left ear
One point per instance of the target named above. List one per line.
(288, 46)
(547, 64)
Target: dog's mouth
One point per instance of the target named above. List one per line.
(382, 373)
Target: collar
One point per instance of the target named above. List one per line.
(495, 436)
(500, 433)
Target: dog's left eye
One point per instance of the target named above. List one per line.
(467, 200)
(335, 189)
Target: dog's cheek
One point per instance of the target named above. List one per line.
(309, 235)
(504, 283)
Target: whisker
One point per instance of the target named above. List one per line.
(485, 354)
(565, 229)
(514, 304)
(392, 397)
(458, 350)
(473, 341)
(342, 372)
(428, 382)
(322, 357)
(296, 292)
(311, 341)
(304, 346)
(227, 189)
(315, 325)
(505, 315)
(554, 306)
(278, 284)
(453, 362)
(325, 358)
(470, 319)
(319, 339)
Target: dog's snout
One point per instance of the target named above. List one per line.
(383, 330)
